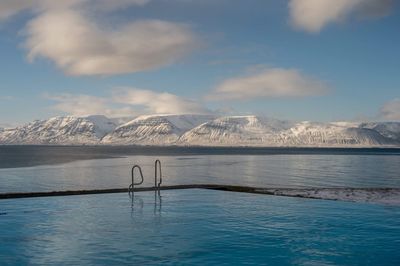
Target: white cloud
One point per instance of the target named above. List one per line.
(313, 15)
(125, 102)
(159, 103)
(114, 5)
(391, 110)
(70, 34)
(84, 105)
(9, 8)
(272, 82)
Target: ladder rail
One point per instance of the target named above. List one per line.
(157, 173)
(133, 184)
(157, 177)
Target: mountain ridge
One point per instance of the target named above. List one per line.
(201, 130)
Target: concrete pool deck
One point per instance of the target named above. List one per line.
(390, 196)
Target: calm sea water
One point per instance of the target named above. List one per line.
(43, 168)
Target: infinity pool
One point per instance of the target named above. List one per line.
(196, 227)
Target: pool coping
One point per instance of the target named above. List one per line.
(15, 195)
(308, 193)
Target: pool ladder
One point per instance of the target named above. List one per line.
(157, 177)
(157, 173)
(131, 188)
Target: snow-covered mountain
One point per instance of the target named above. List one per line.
(154, 129)
(331, 134)
(235, 130)
(390, 130)
(60, 130)
(256, 131)
(205, 130)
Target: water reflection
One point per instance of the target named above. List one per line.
(157, 202)
(137, 204)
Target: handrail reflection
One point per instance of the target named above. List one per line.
(157, 202)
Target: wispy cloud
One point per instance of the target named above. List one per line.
(391, 110)
(83, 105)
(159, 103)
(124, 102)
(9, 8)
(313, 15)
(74, 37)
(272, 82)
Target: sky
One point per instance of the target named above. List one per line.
(316, 60)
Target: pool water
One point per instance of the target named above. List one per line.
(196, 227)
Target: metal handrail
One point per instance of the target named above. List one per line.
(157, 166)
(133, 184)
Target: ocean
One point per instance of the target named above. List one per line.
(49, 168)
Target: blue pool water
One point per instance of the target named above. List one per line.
(196, 227)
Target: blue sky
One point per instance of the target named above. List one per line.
(299, 59)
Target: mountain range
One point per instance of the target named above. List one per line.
(201, 130)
